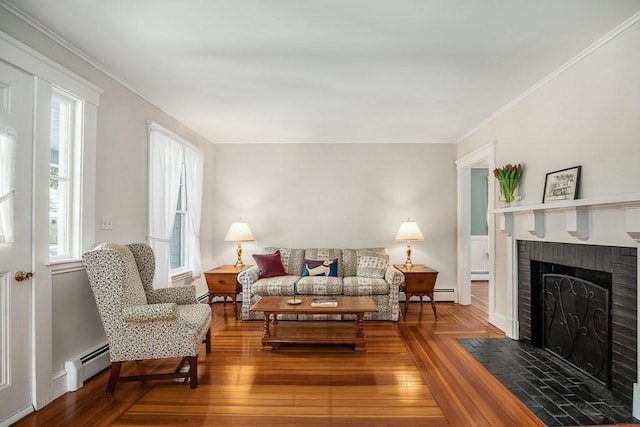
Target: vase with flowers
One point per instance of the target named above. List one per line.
(508, 177)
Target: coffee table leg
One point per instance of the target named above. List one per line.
(267, 332)
(360, 324)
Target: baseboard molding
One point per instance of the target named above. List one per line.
(59, 384)
(505, 324)
(17, 416)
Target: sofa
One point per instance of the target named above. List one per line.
(359, 272)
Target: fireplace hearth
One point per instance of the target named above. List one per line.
(579, 302)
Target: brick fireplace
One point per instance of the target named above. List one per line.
(596, 316)
(583, 243)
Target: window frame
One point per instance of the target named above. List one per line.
(74, 219)
(185, 236)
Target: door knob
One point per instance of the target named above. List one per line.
(23, 275)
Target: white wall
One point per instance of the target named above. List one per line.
(121, 186)
(339, 196)
(588, 115)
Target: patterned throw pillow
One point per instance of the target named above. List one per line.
(372, 264)
(320, 268)
(270, 265)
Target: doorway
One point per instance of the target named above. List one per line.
(468, 270)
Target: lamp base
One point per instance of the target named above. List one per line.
(239, 263)
(408, 264)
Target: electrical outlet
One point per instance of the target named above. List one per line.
(107, 223)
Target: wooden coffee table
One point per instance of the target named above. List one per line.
(314, 332)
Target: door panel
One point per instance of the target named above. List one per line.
(16, 113)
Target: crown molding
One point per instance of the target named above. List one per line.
(588, 51)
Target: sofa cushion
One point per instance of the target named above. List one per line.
(320, 285)
(349, 265)
(270, 265)
(276, 286)
(356, 286)
(325, 254)
(291, 259)
(372, 264)
(327, 268)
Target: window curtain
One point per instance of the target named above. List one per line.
(7, 161)
(194, 167)
(166, 156)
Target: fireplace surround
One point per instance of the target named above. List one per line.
(614, 270)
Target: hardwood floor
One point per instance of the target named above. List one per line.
(480, 296)
(414, 373)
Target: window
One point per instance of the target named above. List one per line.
(179, 236)
(175, 195)
(64, 187)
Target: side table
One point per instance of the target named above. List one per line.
(419, 280)
(223, 282)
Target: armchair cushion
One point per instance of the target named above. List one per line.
(179, 295)
(149, 313)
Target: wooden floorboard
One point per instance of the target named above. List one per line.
(413, 373)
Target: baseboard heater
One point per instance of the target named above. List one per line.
(84, 367)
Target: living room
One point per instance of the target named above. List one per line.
(318, 191)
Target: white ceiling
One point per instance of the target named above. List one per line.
(254, 71)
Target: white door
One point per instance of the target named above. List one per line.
(16, 114)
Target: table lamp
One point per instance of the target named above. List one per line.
(409, 231)
(239, 232)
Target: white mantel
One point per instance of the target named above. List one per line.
(580, 218)
(609, 221)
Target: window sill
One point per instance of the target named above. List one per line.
(181, 276)
(63, 266)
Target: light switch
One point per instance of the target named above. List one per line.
(107, 223)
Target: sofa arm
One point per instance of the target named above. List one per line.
(249, 276)
(178, 295)
(394, 276)
(149, 313)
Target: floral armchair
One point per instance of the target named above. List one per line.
(141, 322)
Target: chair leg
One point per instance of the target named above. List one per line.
(193, 371)
(207, 341)
(114, 373)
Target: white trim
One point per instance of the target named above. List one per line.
(505, 324)
(485, 155)
(59, 384)
(17, 416)
(586, 52)
(33, 62)
(42, 299)
(68, 266)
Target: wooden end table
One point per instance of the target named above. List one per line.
(419, 280)
(223, 282)
(315, 331)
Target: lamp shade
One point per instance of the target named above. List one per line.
(239, 232)
(409, 230)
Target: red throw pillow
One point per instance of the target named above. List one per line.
(270, 265)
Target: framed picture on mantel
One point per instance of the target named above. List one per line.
(562, 185)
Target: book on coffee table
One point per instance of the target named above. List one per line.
(324, 302)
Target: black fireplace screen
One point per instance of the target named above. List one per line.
(576, 323)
